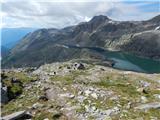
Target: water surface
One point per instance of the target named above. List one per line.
(126, 61)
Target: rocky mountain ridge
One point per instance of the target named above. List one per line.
(41, 45)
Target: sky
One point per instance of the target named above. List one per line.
(62, 13)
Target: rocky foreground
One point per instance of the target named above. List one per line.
(79, 91)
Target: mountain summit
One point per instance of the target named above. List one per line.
(99, 18)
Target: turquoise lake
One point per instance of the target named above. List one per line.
(126, 61)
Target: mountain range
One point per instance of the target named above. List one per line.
(141, 38)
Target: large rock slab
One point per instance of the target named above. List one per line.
(14, 116)
(155, 105)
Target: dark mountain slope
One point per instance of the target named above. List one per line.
(146, 43)
(4, 51)
(155, 20)
(48, 54)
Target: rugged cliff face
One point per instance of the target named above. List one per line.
(145, 43)
(48, 45)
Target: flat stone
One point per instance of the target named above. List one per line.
(144, 84)
(46, 119)
(155, 105)
(143, 99)
(94, 95)
(81, 98)
(157, 96)
(51, 94)
(37, 105)
(14, 116)
(64, 88)
(129, 105)
(112, 111)
(87, 92)
(114, 98)
(142, 90)
(80, 93)
(69, 95)
(87, 108)
(94, 108)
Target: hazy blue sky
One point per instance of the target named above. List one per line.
(38, 14)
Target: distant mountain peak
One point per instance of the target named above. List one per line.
(99, 18)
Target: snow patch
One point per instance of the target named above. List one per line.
(157, 28)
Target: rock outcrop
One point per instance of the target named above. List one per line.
(145, 43)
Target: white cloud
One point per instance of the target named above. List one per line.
(37, 13)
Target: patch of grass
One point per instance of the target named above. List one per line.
(65, 79)
(91, 118)
(14, 90)
(120, 83)
(24, 78)
(119, 87)
(22, 103)
(69, 78)
(150, 96)
(74, 102)
(154, 112)
(7, 82)
(41, 115)
(14, 82)
(146, 115)
(103, 104)
(98, 104)
(155, 92)
(81, 109)
(110, 103)
(55, 115)
(20, 76)
(123, 102)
